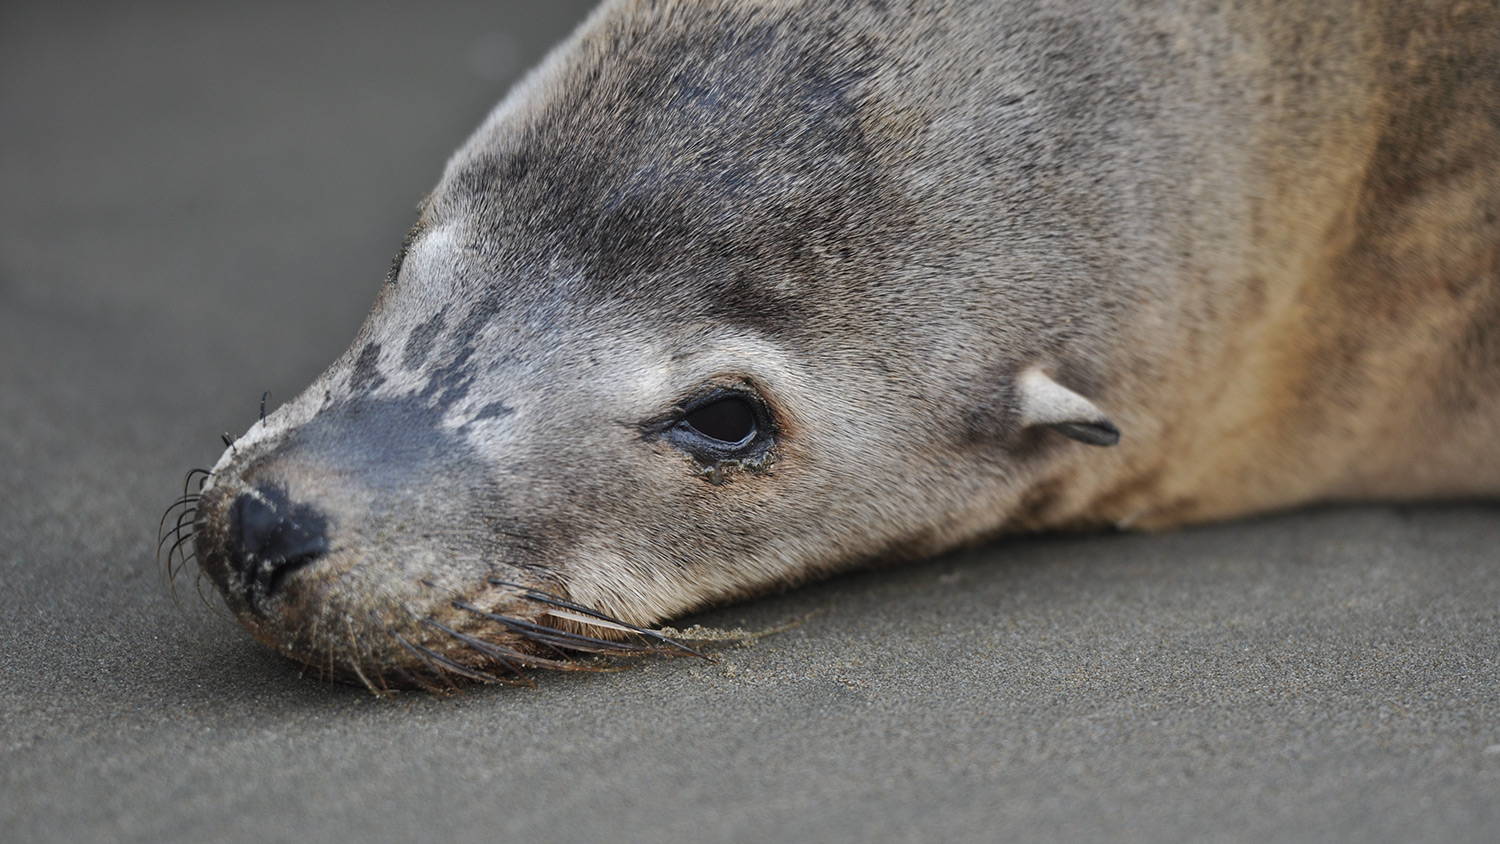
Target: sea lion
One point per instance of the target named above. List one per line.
(728, 295)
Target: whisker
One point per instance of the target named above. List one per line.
(366, 680)
(512, 660)
(310, 631)
(187, 480)
(176, 545)
(163, 534)
(307, 661)
(184, 501)
(354, 663)
(509, 659)
(365, 649)
(186, 518)
(565, 639)
(177, 529)
(438, 663)
(182, 563)
(198, 587)
(164, 565)
(580, 618)
(562, 654)
(176, 558)
(171, 578)
(499, 654)
(415, 681)
(459, 668)
(596, 616)
(186, 497)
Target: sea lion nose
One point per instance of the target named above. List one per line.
(269, 537)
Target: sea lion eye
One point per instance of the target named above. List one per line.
(723, 430)
(729, 420)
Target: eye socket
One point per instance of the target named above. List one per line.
(729, 420)
(722, 427)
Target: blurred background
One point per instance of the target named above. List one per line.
(198, 202)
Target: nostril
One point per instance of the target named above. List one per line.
(270, 537)
(257, 520)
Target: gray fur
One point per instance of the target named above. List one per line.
(1261, 238)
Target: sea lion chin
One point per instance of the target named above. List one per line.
(728, 295)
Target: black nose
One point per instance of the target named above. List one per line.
(269, 537)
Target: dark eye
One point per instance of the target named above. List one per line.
(727, 430)
(728, 420)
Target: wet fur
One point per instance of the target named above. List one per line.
(1264, 238)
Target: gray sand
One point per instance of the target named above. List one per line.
(198, 204)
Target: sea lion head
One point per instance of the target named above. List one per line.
(674, 327)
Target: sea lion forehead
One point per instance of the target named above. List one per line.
(450, 324)
(692, 145)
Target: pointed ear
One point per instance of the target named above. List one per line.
(1046, 402)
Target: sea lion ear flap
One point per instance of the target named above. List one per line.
(1046, 402)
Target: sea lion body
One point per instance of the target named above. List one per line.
(924, 253)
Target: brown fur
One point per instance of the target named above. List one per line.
(1262, 238)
